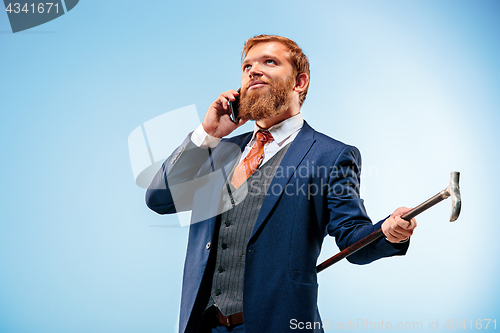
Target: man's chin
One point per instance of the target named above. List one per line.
(250, 117)
(264, 102)
(257, 117)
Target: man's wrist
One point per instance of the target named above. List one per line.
(204, 140)
(400, 242)
(400, 245)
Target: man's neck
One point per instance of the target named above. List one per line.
(270, 122)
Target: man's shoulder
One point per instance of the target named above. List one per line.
(326, 142)
(326, 139)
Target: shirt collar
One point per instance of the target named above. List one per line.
(281, 131)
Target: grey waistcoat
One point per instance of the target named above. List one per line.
(236, 225)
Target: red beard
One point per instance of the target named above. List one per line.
(257, 105)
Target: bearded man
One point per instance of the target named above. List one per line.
(262, 202)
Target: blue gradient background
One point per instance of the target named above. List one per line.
(413, 84)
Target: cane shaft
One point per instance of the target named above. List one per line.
(426, 205)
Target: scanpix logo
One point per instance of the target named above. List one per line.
(28, 14)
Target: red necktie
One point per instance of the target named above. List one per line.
(251, 162)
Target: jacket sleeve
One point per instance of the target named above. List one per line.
(172, 188)
(348, 220)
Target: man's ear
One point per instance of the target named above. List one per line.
(301, 82)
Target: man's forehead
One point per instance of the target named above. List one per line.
(271, 48)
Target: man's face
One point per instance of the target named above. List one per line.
(267, 81)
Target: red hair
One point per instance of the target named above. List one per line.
(296, 57)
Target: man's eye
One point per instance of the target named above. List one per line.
(270, 61)
(246, 67)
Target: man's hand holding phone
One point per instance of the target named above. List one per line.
(218, 122)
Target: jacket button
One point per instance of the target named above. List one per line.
(208, 246)
(217, 292)
(221, 269)
(224, 246)
(228, 223)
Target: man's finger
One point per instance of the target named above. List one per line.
(406, 224)
(401, 211)
(395, 238)
(403, 223)
(224, 102)
(399, 234)
(231, 96)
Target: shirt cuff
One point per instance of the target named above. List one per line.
(204, 140)
(400, 242)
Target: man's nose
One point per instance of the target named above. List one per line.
(255, 71)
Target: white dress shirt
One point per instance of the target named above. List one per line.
(283, 133)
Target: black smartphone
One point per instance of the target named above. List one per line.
(234, 108)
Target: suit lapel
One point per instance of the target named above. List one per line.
(228, 156)
(293, 157)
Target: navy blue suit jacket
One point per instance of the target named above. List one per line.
(315, 192)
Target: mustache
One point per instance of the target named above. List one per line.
(245, 88)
